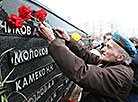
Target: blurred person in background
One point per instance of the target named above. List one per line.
(133, 95)
(106, 38)
(104, 79)
(134, 40)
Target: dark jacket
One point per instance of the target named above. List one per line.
(134, 66)
(109, 83)
(136, 47)
(133, 95)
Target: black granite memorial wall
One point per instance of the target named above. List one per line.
(37, 75)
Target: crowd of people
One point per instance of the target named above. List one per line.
(111, 77)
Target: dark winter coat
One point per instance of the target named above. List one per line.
(133, 95)
(108, 82)
(134, 66)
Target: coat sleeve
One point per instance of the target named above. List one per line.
(82, 52)
(104, 81)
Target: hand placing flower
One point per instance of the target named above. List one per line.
(46, 32)
(26, 13)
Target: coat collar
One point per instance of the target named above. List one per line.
(104, 64)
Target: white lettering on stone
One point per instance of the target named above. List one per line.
(4, 26)
(40, 92)
(18, 58)
(43, 71)
(18, 87)
(28, 30)
(17, 31)
(26, 55)
(31, 54)
(23, 30)
(36, 53)
(9, 29)
(31, 78)
(36, 75)
(25, 83)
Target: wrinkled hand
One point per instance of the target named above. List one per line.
(63, 35)
(2, 90)
(46, 32)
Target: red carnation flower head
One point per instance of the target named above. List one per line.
(89, 39)
(15, 22)
(89, 47)
(91, 43)
(24, 12)
(90, 36)
(70, 100)
(93, 39)
(41, 15)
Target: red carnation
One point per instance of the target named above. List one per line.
(24, 12)
(91, 43)
(90, 36)
(89, 39)
(70, 100)
(89, 47)
(93, 39)
(15, 22)
(41, 15)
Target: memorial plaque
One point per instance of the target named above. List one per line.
(36, 74)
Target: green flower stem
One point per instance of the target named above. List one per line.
(5, 98)
(0, 3)
(36, 19)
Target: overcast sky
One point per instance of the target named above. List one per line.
(123, 11)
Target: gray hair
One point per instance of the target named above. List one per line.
(121, 51)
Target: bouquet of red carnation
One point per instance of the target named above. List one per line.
(26, 13)
(90, 45)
